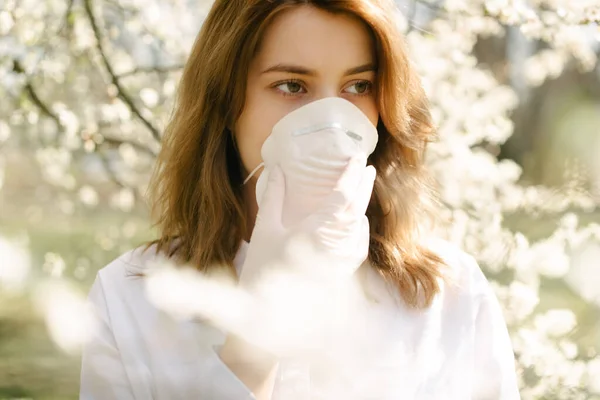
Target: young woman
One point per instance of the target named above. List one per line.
(253, 63)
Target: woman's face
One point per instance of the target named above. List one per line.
(306, 54)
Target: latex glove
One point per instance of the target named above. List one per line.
(329, 244)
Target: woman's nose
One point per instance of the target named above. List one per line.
(326, 90)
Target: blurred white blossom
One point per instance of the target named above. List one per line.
(124, 200)
(518, 300)
(6, 22)
(55, 163)
(556, 322)
(88, 196)
(149, 97)
(593, 374)
(54, 265)
(15, 264)
(69, 318)
(584, 276)
(4, 131)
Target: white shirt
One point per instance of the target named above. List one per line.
(458, 348)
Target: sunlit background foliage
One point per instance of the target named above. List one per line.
(86, 89)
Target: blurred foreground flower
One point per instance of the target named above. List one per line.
(69, 318)
(584, 276)
(15, 264)
(287, 314)
(299, 320)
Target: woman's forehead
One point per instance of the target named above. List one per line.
(315, 39)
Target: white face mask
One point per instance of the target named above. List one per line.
(312, 145)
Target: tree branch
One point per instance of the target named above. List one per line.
(37, 101)
(593, 16)
(67, 26)
(111, 174)
(116, 142)
(437, 7)
(412, 13)
(146, 70)
(121, 93)
(109, 171)
(123, 9)
(31, 92)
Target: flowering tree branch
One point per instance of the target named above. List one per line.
(107, 141)
(125, 10)
(32, 94)
(109, 171)
(115, 80)
(45, 109)
(412, 13)
(156, 69)
(114, 142)
(113, 176)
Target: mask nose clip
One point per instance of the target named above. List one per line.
(335, 125)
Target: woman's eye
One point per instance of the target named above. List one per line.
(290, 87)
(362, 87)
(295, 88)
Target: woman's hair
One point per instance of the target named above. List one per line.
(195, 192)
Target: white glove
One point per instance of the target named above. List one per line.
(329, 244)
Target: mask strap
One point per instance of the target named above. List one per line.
(262, 164)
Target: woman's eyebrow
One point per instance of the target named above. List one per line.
(299, 70)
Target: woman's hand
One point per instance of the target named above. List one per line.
(328, 245)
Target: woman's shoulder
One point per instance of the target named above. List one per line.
(120, 287)
(461, 282)
(461, 269)
(135, 263)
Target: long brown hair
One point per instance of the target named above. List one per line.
(195, 193)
